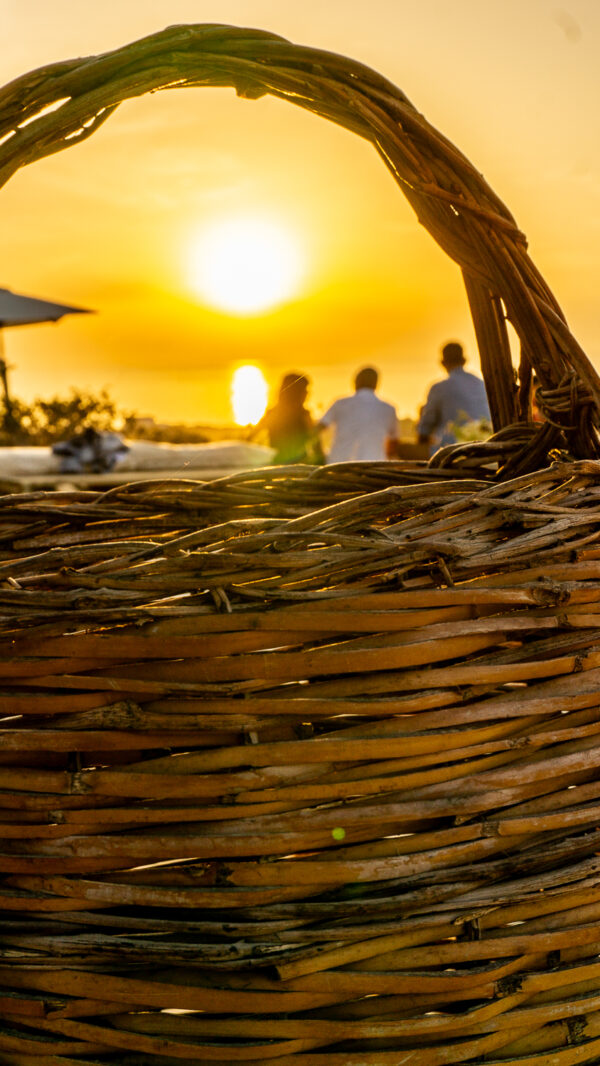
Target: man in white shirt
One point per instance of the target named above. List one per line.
(363, 426)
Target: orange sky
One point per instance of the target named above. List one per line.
(108, 224)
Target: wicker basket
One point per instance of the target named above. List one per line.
(301, 766)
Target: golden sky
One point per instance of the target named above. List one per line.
(111, 224)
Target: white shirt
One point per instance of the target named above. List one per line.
(361, 425)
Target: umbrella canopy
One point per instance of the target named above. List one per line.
(17, 310)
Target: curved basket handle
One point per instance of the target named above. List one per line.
(449, 196)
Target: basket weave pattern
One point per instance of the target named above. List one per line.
(360, 741)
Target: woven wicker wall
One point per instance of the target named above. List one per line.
(319, 768)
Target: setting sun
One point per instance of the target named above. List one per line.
(248, 395)
(245, 264)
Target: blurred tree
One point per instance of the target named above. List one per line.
(45, 422)
(48, 421)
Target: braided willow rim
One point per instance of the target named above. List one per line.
(449, 196)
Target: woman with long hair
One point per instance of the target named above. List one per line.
(289, 424)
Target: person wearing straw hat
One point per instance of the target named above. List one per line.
(363, 426)
(461, 398)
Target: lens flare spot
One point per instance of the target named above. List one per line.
(248, 395)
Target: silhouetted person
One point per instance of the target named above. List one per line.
(459, 399)
(289, 424)
(364, 427)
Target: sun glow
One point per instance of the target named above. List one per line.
(246, 264)
(248, 395)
